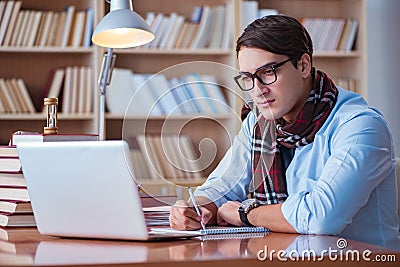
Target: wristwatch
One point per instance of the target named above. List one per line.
(245, 208)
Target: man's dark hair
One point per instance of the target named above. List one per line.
(277, 34)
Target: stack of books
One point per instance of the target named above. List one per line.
(156, 208)
(15, 206)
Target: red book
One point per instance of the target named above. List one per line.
(14, 193)
(10, 163)
(17, 220)
(13, 206)
(25, 137)
(8, 151)
(12, 179)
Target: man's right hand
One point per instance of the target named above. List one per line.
(184, 217)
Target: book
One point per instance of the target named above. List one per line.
(138, 162)
(34, 27)
(2, 107)
(89, 90)
(56, 83)
(3, 99)
(74, 89)
(214, 91)
(181, 35)
(177, 27)
(27, 137)
(17, 28)
(218, 30)
(148, 156)
(13, 94)
(14, 206)
(27, 28)
(59, 30)
(215, 230)
(77, 30)
(162, 93)
(174, 160)
(155, 25)
(143, 101)
(21, 234)
(345, 34)
(10, 164)
(53, 28)
(180, 97)
(12, 179)
(66, 31)
(20, 84)
(2, 7)
(44, 33)
(189, 156)
(8, 96)
(249, 13)
(67, 92)
(119, 91)
(162, 20)
(8, 151)
(5, 20)
(88, 30)
(14, 193)
(14, 90)
(203, 34)
(160, 150)
(196, 81)
(195, 90)
(17, 220)
(352, 35)
(12, 23)
(81, 101)
(187, 39)
(169, 26)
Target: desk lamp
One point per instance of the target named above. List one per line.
(120, 28)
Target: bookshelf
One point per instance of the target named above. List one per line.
(211, 134)
(34, 63)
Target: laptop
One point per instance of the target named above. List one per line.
(85, 189)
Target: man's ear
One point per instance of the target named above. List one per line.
(305, 65)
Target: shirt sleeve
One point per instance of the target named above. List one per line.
(231, 178)
(360, 159)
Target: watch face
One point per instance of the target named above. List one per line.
(249, 204)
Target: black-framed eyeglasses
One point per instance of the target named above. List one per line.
(265, 74)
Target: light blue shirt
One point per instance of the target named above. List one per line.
(341, 184)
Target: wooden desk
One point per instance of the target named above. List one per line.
(51, 251)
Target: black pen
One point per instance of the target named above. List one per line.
(196, 207)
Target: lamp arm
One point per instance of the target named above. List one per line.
(107, 67)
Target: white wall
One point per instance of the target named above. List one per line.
(383, 56)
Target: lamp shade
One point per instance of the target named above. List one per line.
(122, 28)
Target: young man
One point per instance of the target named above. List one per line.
(332, 168)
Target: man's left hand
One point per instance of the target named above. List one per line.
(228, 214)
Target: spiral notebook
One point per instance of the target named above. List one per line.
(232, 236)
(216, 230)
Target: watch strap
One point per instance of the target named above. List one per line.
(243, 218)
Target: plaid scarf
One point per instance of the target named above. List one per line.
(269, 179)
